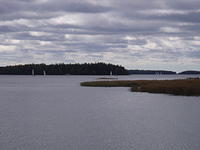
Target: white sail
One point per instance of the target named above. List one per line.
(33, 72)
(44, 72)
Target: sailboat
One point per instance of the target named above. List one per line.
(44, 72)
(33, 72)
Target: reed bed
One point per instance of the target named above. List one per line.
(186, 87)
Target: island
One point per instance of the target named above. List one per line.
(64, 69)
(190, 72)
(151, 72)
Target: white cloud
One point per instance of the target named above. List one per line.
(72, 19)
(196, 43)
(151, 45)
(170, 30)
(7, 48)
(130, 38)
(38, 34)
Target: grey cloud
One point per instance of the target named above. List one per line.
(51, 6)
(193, 54)
(195, 28)
(193, 17)
(184, 4)
(138, 42)
(73, 7)
(4, 29)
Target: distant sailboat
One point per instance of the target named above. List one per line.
(33, 72)
(111, 73)
(44, 72)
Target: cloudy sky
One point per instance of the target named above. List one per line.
(138, 34)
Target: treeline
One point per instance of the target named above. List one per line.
(64, 69)
(190, 72)
(150, 72)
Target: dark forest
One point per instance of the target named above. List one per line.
(64, 69)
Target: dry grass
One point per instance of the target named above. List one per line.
(109, 83)
(185, 87)
(104, 78)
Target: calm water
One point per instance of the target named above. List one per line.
(55, 113)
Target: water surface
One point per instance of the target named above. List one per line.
(55, 113)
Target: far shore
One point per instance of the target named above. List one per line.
(184, 87)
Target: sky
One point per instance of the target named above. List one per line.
(137, 34)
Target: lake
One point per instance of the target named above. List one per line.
(56, 113)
